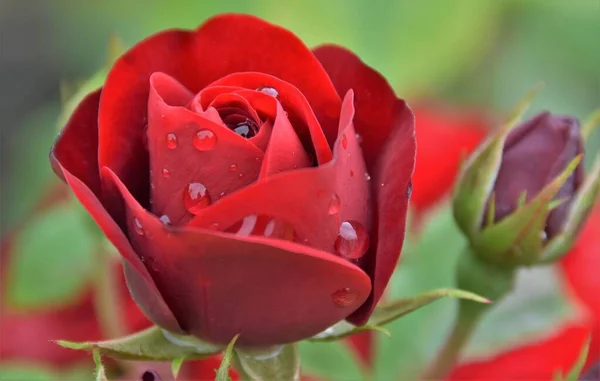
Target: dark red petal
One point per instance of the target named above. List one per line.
(76, 148)
(301, 114)
(186, 164)
(386, 126)
(445, 137)
(534, 362)
(223, 45)
(152, 303)
(285, 151)
(219, 285)
(303, 197)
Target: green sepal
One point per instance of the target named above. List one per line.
(516, 239)
(478, 174)
(581, 206)
(176, 365)
(280, 363)
(223, 371)
(153, 344)
(100, 372)
(389, 311)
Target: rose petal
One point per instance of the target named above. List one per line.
(269, 291)
(445, 136)
(147, 297)
(285, 151)
(223, 45)
(534, 362)
(580, 265)
(76, 148)
(186, 164)
(303, 197)
(386, 126)
(301, 114)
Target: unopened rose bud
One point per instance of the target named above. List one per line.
(522, 196)
(535, 153)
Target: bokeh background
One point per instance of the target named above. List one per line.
(469, 54)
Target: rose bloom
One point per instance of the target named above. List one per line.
(252, 186)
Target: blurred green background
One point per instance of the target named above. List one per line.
(486, 53)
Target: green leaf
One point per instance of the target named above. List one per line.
(176, 365)
(100, 373)
(575, 372)
(153, 344)
(223, 372)
(329, 361)
(53, 259)
(280, 362)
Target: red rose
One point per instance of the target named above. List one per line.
(244, 194)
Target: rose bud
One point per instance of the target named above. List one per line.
(528, 195)
(252, 186)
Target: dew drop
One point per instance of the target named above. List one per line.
(196, 197)
(334, 205)
(165, 219)
(409, 190)
(204, 140)
(214, 226)
(344, 297)
(248, 224)
(367, 176)
(352, 241)
(269, 91)
(233, 168)
(344, 141)
(171, 141)
(269, 228)
(165, 173)
(221, 194)
(359, 138)
(137, 226)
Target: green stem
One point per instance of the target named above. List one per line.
(486, 279)
(107, 300)
(459, 337)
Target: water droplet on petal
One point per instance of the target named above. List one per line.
(269, 228)
(222, 194)
(165, 173)
(269, 90)
(137, 226)
(241, 175)
(367, 176)
(171, 141)
(214, 226)
(409, 190)
(334, 204)
(352, 241)
(344, 297)
(359, 138)
(344, 141)
(196, 197)
(165, 219)
(233, 167)
(248, 224)
(204, 140)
